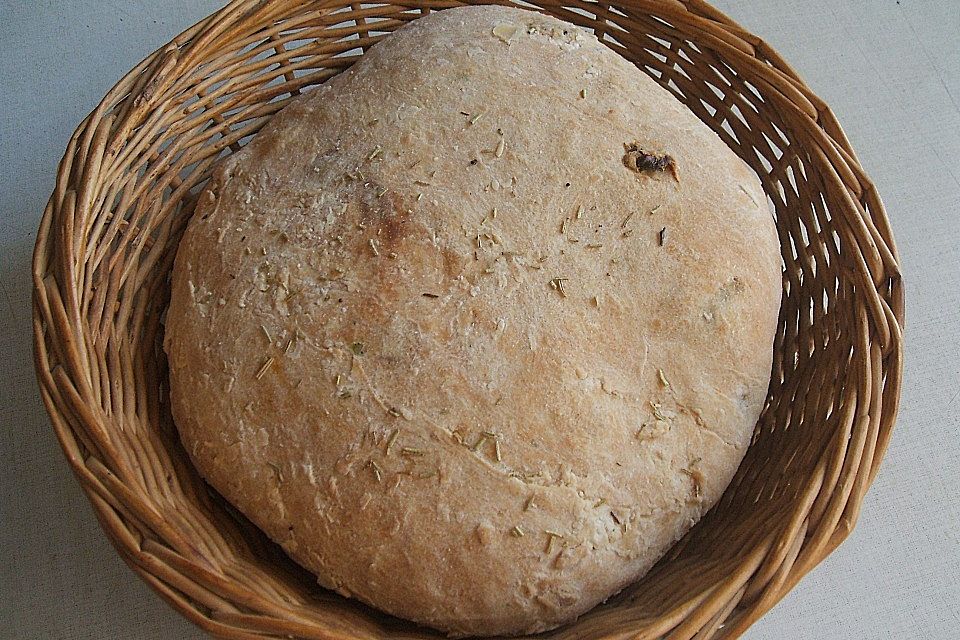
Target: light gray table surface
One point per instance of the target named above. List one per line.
(891, 72)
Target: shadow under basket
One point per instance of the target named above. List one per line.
(124, 193)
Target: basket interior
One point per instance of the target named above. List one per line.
(125, 194)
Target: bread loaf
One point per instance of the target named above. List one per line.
(480, 327)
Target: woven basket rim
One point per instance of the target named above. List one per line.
(63, 349)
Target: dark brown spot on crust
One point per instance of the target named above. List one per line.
(385, 213)
(637, 159)
(453, 263)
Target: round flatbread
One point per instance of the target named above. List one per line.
(480, 327)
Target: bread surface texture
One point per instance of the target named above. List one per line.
(442, 337)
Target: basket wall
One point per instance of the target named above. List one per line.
(124, 193)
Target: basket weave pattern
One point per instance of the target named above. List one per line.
(124, 193)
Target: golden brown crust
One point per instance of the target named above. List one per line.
(428, 332)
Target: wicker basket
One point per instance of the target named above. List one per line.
(124, 193)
